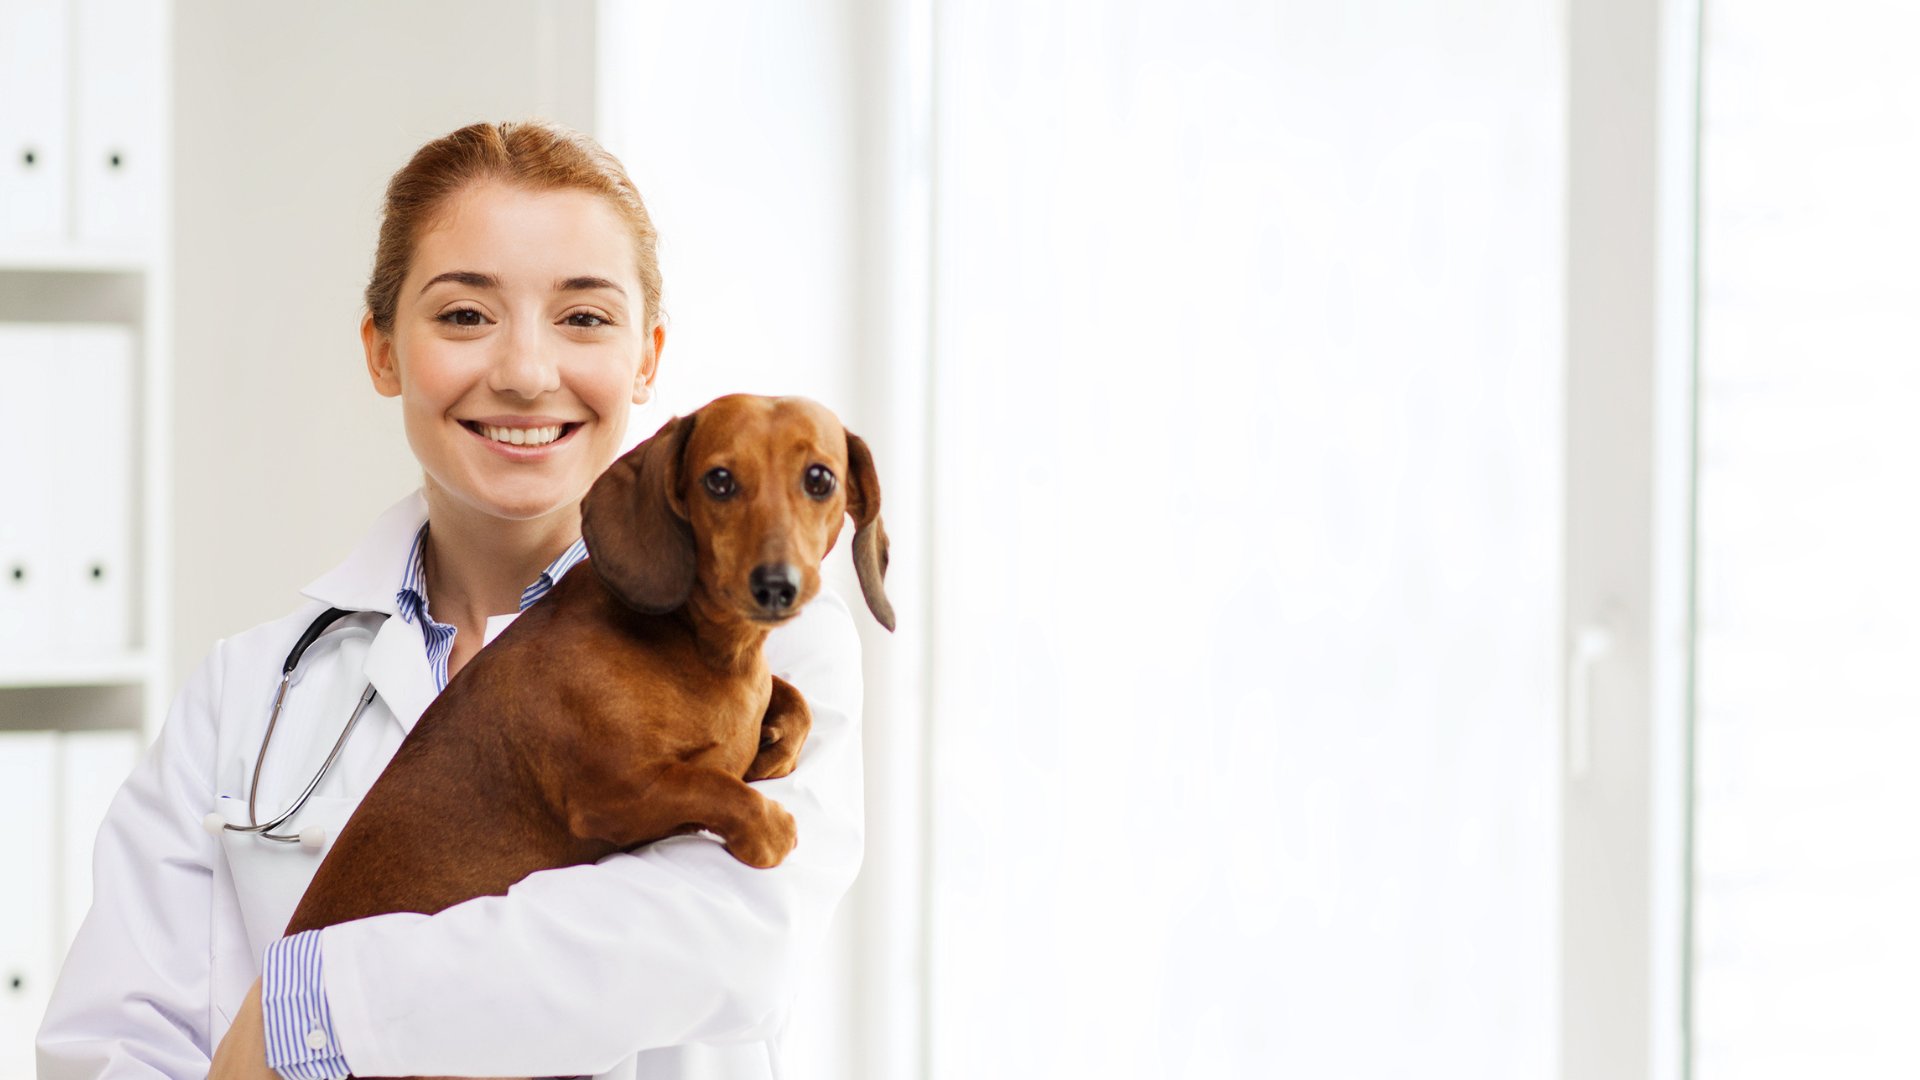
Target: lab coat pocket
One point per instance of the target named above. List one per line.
(269, 877)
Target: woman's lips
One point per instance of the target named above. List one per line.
(523, 453)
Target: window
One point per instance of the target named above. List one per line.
(1808, 871)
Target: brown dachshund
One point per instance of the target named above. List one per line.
(631, 703)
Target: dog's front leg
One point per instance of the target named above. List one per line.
(684, 798)
(782, 732)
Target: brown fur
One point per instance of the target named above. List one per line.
(631, 703)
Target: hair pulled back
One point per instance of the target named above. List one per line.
(533, 154)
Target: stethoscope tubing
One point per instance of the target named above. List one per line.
(307, 837)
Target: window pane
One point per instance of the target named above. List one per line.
(1248, 465)
(1807, 867)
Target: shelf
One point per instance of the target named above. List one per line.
(128, 670)
(76, 261)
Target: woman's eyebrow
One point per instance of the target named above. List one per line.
(477, 280)
(471, 278)
(573, 284)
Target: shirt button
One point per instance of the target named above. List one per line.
(316, 1039)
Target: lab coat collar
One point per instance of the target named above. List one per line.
(368, 580)
(397, 667)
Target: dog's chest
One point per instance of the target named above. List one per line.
(737, 732)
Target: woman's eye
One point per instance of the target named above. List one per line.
(819, 482)
(718, 482)
(586, 320)
(461, 317)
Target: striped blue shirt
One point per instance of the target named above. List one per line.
(412, 598)
(300, 1040)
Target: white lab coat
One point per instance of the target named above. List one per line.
(672, 961)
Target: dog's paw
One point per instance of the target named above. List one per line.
(775, 759)
(768, 841)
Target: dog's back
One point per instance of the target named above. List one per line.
(579, 694)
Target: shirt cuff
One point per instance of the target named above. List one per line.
(300, 1041)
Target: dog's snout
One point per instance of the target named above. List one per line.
(775, 586)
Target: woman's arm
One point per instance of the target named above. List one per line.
(577, 968)
(133, 999)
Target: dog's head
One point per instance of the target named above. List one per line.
(744, 496)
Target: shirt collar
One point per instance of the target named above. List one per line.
(411, 597)
(364, 580)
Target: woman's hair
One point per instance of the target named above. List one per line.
(533, 154)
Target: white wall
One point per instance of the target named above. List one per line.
(289, 119)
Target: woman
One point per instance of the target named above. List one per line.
(514, 311)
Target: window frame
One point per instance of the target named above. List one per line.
(1633, 96)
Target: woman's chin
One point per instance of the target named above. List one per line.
(511, 498)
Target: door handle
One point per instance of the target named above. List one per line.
(1590, 646)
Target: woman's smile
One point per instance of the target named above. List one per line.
(523, 438)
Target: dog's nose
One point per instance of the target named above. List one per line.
(774, 586)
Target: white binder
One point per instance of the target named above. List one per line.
(93, 765)
(27, 353)
(88, 540)
(34, 163)
(26, 908)
(66, 494)
(117, 46)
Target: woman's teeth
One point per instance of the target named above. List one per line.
(539, 436)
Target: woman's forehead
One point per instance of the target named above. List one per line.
(524, 238)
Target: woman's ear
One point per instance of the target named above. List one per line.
(382, 365)
(637, 535)
(649, 365)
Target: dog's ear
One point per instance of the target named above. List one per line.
(635, 526)
(869, 532)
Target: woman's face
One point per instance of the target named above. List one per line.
(521, 319)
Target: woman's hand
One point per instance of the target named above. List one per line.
(242, 1054)
(243, 1051)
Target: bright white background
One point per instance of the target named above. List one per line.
(1808, 872)
(1214, 358)
(1245, 428)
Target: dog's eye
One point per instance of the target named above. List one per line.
(719, 483)
(819, 481)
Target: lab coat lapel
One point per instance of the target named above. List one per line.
(398, 669)
(368, 580)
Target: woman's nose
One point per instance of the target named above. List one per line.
(525, 364)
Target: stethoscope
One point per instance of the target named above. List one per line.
(313, 837)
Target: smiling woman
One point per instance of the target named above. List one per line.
(514, 311)
(515, 296)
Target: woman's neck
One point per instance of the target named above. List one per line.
(478, 564)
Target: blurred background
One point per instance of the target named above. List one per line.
(1402, 510)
